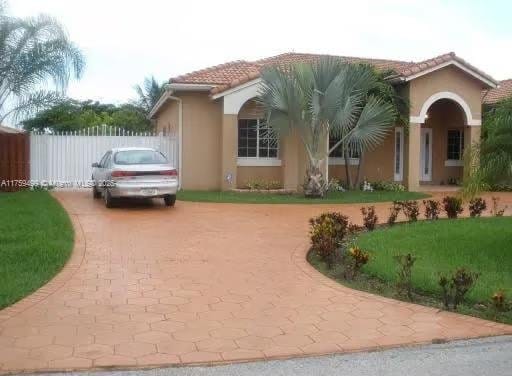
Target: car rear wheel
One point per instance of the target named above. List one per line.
(107, 197)
(95, 192)
(170, 200)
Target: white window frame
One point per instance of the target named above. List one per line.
(455, 162)
(399, 176)
(340, 161)
(423, 134)
(257, 161)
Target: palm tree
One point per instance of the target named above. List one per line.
(327, 97)
(392, 94)
(148, 93)
(490, 162)
(34, 51)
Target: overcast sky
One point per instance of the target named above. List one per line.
(124, 41)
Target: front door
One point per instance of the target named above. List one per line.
(426, 154)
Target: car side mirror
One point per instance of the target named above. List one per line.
(95, 165)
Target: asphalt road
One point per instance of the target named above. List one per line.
(491, 356)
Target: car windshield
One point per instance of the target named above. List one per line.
(131, 157)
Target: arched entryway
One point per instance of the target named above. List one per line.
(438, 136)
(442, 143)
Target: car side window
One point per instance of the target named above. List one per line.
(107, 161)
(104, 160)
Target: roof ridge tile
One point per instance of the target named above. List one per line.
(234, 73)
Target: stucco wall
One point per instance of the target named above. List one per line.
(167, 119)
(446, 79)
(377, 164)
(210, 139)
(247, 174)
(201, 149)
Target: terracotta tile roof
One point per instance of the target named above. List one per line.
(291, 57)
(421, 66)
(504, 90)
(222, 74)
(235, 73)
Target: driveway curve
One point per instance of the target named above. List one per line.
(202, 283)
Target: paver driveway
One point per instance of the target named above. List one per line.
(203, 283)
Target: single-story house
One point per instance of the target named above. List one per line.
(222, 146)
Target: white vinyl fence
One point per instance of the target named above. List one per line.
(65, 159)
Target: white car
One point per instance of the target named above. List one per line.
(134, 172)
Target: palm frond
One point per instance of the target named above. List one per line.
(326, 97)
(372, 126)
(31, 103)
(34, 51)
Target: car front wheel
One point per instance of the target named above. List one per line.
(170, 200)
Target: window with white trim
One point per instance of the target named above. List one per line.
(455, 148)
(399, 154)
(256, 139)
(338, 152)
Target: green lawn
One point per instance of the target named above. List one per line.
(483, 245)
(275, 198)
(36, 239)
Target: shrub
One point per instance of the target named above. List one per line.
(476, 206)
(388, 186)
(499, 301)
(454, 287)
(452, 206)
(335, 186)
(369, 217)
(501, 187)
(339, 222)
(411, 210)
(463, 280)
(393, 213)
(365, 186)
(444, 282)
(354, 228)
(404, 274)
(323, 241)
(496, 211)
(431, 209)
(327, 232)
(355, 259)
(260, 184)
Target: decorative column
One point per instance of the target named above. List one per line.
(229, 151)
(413, 157)
(472, 134)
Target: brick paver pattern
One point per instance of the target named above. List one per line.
(203, 283)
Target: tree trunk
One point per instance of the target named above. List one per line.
(315, 185)
(347, 169)
(359, 170)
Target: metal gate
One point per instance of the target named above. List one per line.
(65, 159)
